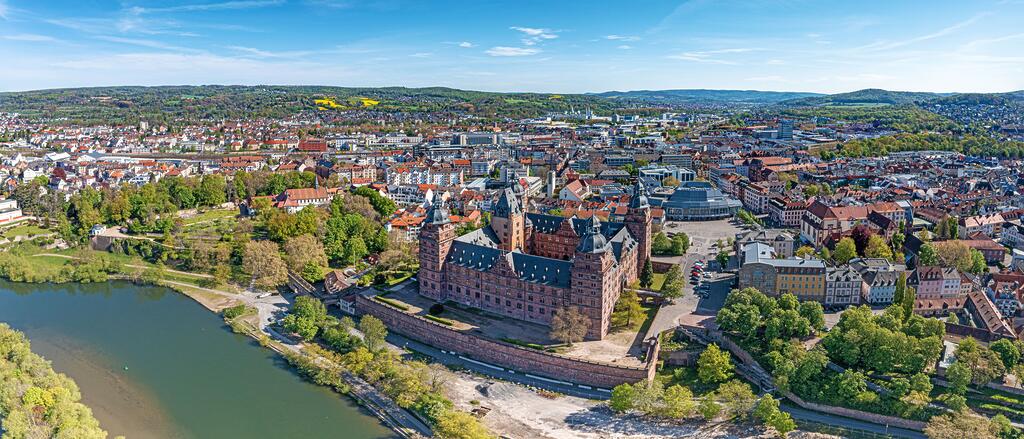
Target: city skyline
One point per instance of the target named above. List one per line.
(750, 45)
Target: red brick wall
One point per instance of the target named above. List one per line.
(499, 353)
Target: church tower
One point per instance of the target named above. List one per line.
(436, 236)
(638, 221)
(594, 283)
(509, 222)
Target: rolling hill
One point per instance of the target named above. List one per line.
(703, 96)
(870, 96)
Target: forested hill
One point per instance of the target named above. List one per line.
(231, 101)
(703, 96)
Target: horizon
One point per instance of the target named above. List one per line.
(784, 45)
(505, 92)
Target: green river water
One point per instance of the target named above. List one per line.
(152, 363)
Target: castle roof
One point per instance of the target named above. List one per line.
(508, 204)
(437, 214)
(592, 240)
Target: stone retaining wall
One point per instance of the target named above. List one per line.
(857, 414)
(520, 359)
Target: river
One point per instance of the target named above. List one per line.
(153, 364)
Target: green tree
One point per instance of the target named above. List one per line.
(878, 248)
(736, 397)
(805, 252)
(680, 244)
(678, 403)
(453, 424)
(660, 244)
(767, 411)
(622, 399)
(845, 250)
(959, 377)
(709, 409)
(926, 255)
(722, 258)
(978, 264)
(647, 274)
(374, 332)
(714, 365)
(628, 308)
(1007, 351)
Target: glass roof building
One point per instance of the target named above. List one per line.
(696, 201)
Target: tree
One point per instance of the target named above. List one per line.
(861, 236)
(674, 274)
(767, 411)
(909, 297)
(307, 315)
(569, 325)
(660, 244)
(1007, 351)
(959, 377)
(926, 255)
(805, 252)
(722, 258)
(302, 250)
(714, 365)
(680, 244)
(454, 424)
(628, 307)
(877, 248)
(647, 274)
(978, 264)
(670, 181)
(736, 397)
(678, 403)
(960, 425)
(623, 396)
(374, 332)
(901, 290)
(709, 409)
(985, 364)
(263, 262)
(845, 250)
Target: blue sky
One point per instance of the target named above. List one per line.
(543, 46)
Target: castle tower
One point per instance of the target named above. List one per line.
(436, 236)
(509, 222)
(594, 284)
(638, 221)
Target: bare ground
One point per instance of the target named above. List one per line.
(519, 412)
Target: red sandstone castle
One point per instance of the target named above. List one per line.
(528, 265)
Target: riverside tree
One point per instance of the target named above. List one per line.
(263, 262)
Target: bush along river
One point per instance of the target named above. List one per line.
(152, 363)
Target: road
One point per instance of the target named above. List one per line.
(801, 414)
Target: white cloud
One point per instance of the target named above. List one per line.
(422, 55)
(231, 5)
(707, 56)
(4, 9)
(511, 51)
(535, 35)
(622, 37)
(624, 47)
(29, 37)
(881, 46)
(466, 44)
(146, 43)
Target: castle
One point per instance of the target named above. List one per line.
(528, 265)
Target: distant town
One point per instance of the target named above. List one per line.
(849, 264)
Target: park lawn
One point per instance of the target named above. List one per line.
(659, 281)
(24, 230)
(211, 215)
